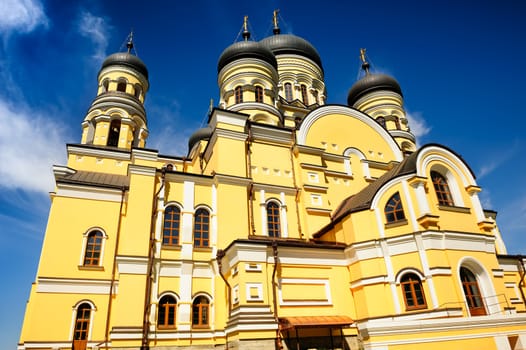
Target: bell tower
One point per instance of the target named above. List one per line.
(116, 117)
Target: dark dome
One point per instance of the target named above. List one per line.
(370, 83)
(246, 49)
(198, 135)
(288, 43)
(126, 59)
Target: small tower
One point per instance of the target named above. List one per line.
(380, 96)
(116, 117)
(301, 83)
(247, 76)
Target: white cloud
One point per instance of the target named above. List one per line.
(493, 162)
(171, 132)
(418, 125)
(21, 15)
(96, 29)
(30, 144)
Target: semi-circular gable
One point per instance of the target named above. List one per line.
(346, 127)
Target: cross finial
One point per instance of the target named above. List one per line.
(246, 33)
(365, 64)
(129, 44)
(276, 29)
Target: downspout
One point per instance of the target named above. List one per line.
(248, 152)
(151, 252)
(113, 271)
(522, 275)
(295, 182)
(274, 296)
(219, 257)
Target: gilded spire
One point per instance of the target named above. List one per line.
(246, 33)
(276, 29)
(365, 64)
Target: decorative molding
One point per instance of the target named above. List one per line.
(89, 192)
(77, 286)
(86, 150)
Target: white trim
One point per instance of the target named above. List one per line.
(89, 192)
(75, 286)
(410, 207)
(132, 265)
(326, 110)
(259, 288)
(485, 284)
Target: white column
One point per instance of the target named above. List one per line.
(263, 210)
(187, 220)
(390, 275)
(427, 271)
(423, 205)
(283, 216)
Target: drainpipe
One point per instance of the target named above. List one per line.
(151, 251)
(219, 257)
(522, 275)
(250, 197)
(274, 285)
(113, 271)
(295, 184)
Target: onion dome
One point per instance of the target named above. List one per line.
(370, 83)
(199, 135)
(292, 44)
(246, 49)
(128, 60)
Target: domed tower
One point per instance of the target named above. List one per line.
(247, 76)
(380, 96)
(301, 84)
(117, 117)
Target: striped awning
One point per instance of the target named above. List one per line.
(314, 321)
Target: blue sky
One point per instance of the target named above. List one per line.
(460, 65)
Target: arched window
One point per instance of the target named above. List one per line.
(121, 85)
(166, 313)
(288, 91)
(304, 96)
(92, 253)
(81, 330)
(172, 221)
(200, 310)
(381, 121)
(441, 189)
(138, 90)
(316, 96)
(397, 122)
(113, 135)
(259, 94)
(472, 292)
(393, 209)
(201, 228)
(273, 221)
(105, 85)
(413, 292)
(239, 94)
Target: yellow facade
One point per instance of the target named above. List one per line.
(291, 224)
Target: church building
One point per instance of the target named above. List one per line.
(290, 223)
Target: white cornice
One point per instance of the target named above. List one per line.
(77, 286)
(271, 134)
(82, 150)
(227, 117)
(141, 170)
(274, 188)
(89, 192)
(144, 154)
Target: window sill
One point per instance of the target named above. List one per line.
(416, 308)
(203, 249)
(396, 223)
(170, 247)
(201, 328)
(166, 329)
(454, 209)
(91, 268)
